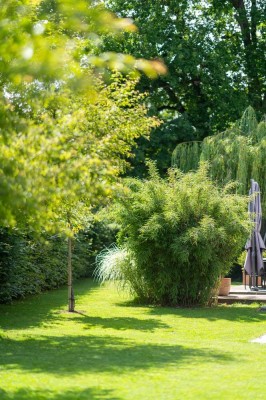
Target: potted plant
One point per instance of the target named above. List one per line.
(225, 286)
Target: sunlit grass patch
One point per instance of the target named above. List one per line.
(113, 349)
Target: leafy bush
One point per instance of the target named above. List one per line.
(30, 265)
(181, 234)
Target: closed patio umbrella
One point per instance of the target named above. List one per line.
(255, 244)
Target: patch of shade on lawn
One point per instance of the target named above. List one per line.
(113, 349)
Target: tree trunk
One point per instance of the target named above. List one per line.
(249, 37)
(71, 297)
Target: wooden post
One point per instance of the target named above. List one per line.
(71, 297)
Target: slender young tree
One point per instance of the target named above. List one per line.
(64, 133)
(47, 85)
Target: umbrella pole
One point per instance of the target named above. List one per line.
(253, 264)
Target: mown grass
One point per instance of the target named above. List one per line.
(115, 350)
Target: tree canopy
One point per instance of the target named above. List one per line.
(64, 132)
(215, 55)
(236, 154)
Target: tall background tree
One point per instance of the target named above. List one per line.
(215, 54)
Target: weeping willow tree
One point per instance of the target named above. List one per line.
(237, 154)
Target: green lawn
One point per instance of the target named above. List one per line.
(115, 350)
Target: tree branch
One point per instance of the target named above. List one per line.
(242, 19)
(254, 20)
(249, 36)
(172, 96)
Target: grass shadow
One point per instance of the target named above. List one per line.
(39, 309)
(240, 312)
(76, 354)
(120, 323)
(77, 394)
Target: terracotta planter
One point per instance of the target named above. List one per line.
(225, 287)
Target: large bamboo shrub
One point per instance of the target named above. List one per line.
(177, 237)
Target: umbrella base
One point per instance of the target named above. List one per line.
(255, 282)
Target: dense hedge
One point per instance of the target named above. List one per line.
(29, 265)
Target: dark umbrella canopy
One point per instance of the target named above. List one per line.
(255, 244)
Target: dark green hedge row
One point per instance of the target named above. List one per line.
(29, 266)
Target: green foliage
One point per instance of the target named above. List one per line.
(237, 154)
(181, 235)
(63, 131)
(68, 155)
(186, 156)
(47, 39)
(160, 145)
(101, 234)
(30, 265)
(214, 54)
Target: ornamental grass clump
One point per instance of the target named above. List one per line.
(182, 234)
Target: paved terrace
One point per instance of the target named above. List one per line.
(240, 294)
